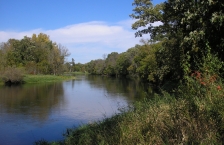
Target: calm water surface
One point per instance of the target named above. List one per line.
(43, 111)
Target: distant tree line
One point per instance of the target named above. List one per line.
(74, 67)
(137, 61)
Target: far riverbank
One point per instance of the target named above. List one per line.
(30, 79)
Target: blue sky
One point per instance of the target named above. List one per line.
(87, 28)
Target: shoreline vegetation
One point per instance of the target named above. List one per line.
(29, 79)
(191, 115)
(34, 79)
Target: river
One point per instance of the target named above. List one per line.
(29, 113)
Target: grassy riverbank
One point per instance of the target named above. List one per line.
(45, 78)
(30, 79)
(76, 73)
(192, 115)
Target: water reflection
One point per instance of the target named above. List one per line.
(131, 89)
(44, 111)
(36, 101)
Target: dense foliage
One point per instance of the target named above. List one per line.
(38, 54)
(34, 55)
(191, 32)
(137, 61)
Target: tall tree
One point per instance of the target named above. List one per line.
(57, 56)
(190, 31)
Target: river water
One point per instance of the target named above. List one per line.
(29, 113)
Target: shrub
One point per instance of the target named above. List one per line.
(12, 75)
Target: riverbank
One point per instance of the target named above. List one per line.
(45, 78)
(30, 79)
(76, 73)
(192, 115)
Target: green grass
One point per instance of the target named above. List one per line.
(29, 79)
(193, 115)
(45, 78)
(76, 73)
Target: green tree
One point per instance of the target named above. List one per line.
(132, 53)
(42, 53)
(122, 64)
(110, 64)
(146, 14)
(57, 56)
(13, 56)
(38, 54)
(189, 31)
(2, 58)
(95, 66)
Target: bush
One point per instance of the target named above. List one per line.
(12, 75)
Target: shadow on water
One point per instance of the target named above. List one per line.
(131, 89)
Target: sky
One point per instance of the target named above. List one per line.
(87, 28)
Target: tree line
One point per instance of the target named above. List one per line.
(139, 61)
(189, 40)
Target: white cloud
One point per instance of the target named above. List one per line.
(126, 23)
(84, 32)
(89, 40)
(6, 35)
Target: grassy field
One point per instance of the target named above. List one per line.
(194, 114)
(45, 78)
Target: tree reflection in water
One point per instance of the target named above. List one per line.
(41, 99)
